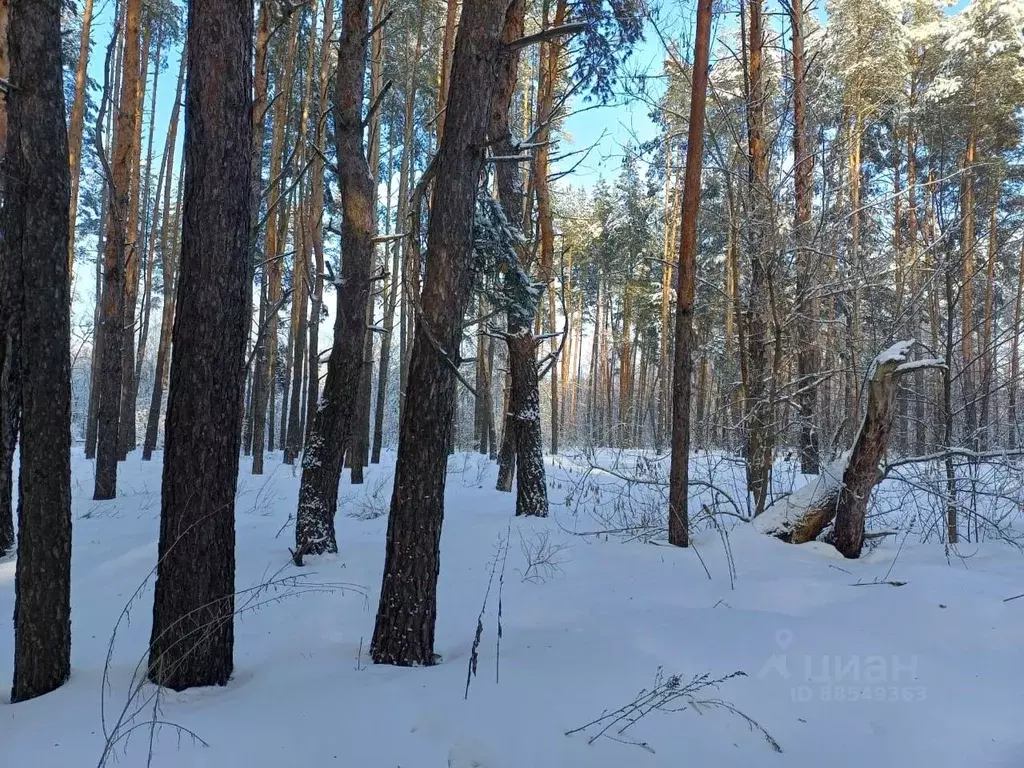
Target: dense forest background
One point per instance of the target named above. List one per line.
(334, 229)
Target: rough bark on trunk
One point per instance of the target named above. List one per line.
(10, 389)
(5, 73)
(35, 221)
(115, 256)
(335, 415)
(406, 615)
(360, 449)
(679, 471)
(524, 410)
(193, 612)
(510, 195)
(10, 413)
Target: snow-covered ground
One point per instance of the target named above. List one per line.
(840, 670)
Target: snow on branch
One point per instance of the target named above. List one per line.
(919, 365)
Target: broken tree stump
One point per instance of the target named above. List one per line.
(842, 490)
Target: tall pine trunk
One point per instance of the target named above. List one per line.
(193, 611)
(407, 612)
(760, 450)
(77, 125)
(316, 221)
(807, 302)
(170, 263)
(679, 471)
(270, 288)
(36, 218)
(549, 76)
(410, 249)
(126, 438)
(360, 451)
(390, 303)
(261, 80)
(1013, 386)
(115, 256)
(169, 254)
(10, 391)
(336, 414)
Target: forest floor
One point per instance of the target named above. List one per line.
(909, 656)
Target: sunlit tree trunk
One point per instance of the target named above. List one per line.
(77, 125)
(126, 438)
(549, 77)
(451, 19)
(270, 288)
(359, 455)
(668, 257)
(679, 471)
(115, 257)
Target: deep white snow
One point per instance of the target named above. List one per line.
(930, 673)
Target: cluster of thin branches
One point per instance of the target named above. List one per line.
(668, 695)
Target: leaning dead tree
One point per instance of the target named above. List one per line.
(842, 490)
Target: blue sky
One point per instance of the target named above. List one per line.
(609, 128)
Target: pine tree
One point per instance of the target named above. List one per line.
(119, 250)
(37, 299)
(193, 613)
(334, 420)
(406, 615)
